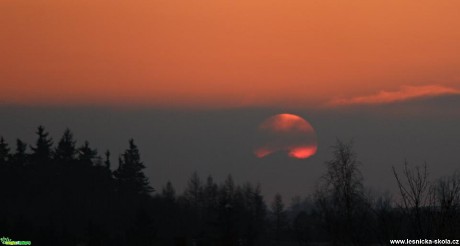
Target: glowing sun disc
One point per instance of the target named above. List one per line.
(288, 133)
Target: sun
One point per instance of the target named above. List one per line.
(288, 133)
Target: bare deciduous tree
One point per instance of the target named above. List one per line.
(416, 196)
(340, 198)
(447, 202)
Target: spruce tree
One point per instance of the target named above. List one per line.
(42, 152)
(129, 175)
(194, 191)
(20, 155)
(66, 151)
(4, 152)
(279, 217)
(86, 154)
(168, 192)
(107, 160)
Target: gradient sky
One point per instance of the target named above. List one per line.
(208, 53)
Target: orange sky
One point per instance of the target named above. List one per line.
(212, 53)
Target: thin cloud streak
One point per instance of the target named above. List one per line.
(405, 93)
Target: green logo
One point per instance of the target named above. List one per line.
(8, 241)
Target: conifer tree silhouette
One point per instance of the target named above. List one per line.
(279, 217)
(87, 155)
(168, 192)
(129, 175)
(20, 156)
(107, 162)
(4, 152)
(42, 151)
(66, 151)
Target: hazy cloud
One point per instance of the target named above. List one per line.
(405, 93)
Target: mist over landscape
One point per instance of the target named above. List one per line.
(175, 143)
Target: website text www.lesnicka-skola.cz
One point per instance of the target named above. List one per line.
(425, 242)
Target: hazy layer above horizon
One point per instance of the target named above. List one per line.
(175, 143)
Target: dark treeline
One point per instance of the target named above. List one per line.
(64, 194)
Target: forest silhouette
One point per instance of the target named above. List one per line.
(64, 194)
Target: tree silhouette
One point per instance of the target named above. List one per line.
(279, 217)
(42, 151)
(20, 156)
(86, 154)
(107, 162)
(211, 192)
(194, 190)
(447, 199)
(414, 188)
(129, 174)
(66, 151)
(4, 152)
(84, 203)
(301, 226)
(168, 192)
(341, 197)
